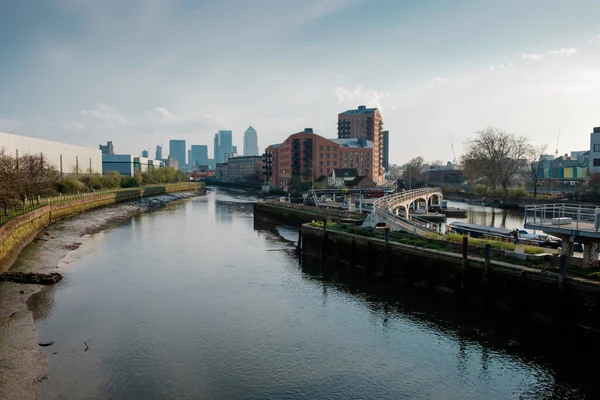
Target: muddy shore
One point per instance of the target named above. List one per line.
(22, 364)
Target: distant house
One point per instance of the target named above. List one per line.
(341, 176)
(361, 182)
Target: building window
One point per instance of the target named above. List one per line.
(328, 164)
(596, 162)
(321, 148)
(597, 148)
(321, 154)
(328, 155)
(321, 163)
(334, 148)
(335, 163)
(335, 156)
(328, 171)
(328, 148)
(345, 165)
(321, 170)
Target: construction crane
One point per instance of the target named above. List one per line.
(453, 152)
(557, 140)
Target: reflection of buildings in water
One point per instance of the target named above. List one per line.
(224, 210)
(475, 334)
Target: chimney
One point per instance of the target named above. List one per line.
(308, 130)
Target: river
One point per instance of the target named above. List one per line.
(195, 301)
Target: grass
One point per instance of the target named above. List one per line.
(534, 250)
(457, 238)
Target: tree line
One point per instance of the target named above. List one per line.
(25, 179)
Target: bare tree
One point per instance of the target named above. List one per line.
(535, 168)
(36, 177)
(412, 170)
(436, 164)
(8, 181)
(496, 156)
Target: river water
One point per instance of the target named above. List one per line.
(195, 301)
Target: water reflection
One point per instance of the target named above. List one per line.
(489, 216)
(202, 301)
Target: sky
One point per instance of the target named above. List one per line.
(142, 72)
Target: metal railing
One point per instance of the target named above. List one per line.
(578, 217)
(401, 197)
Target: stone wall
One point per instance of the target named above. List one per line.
(299, 214)
(19, 231)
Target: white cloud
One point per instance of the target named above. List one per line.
(551, 53)
(164, 114)
(107, 114)
(8, 124)
(366, 97)
(437, 79)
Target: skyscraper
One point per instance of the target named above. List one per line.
(365, 123)
(250, 142)
(145, 153)
(177, 151)
(159, 152)
(199, 155)
(223, 145)
(385, 161)
(216, 149)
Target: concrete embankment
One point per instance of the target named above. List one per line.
(19, 231)
(514, 289)
(299, 214)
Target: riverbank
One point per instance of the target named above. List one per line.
(22, 364)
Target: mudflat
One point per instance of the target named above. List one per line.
(22, 364)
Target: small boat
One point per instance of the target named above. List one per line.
(480, 231)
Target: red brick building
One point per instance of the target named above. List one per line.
(365, 123)
(307, 155)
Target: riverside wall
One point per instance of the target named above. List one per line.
(299, 214)
(19, 231)
(535, 294)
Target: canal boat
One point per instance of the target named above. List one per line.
(480, 231)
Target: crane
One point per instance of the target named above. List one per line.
(453, 152)
(557, 140)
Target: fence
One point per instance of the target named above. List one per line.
(44, 201)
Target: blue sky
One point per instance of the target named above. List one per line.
(142, 72)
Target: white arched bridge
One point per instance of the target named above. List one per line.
(395, 210)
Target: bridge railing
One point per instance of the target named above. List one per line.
(563, 216)
(404, 196)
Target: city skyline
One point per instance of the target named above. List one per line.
(107, 71)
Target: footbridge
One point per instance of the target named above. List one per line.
(395, 210)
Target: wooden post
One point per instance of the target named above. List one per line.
(488, 257)
(324, 241)
(564, 260)
(465, 261)
(387, 251)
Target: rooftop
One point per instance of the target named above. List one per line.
(345, 172)
(360, 110)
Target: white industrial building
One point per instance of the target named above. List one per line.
(66, 158)
(128, 164)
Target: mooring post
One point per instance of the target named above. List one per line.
(488, 261)
(387, 250)
(465, 261)
(324, 241)
(564, 260)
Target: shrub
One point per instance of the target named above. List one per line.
(534, 250)
(111, 180)
(481, 190)
(128, 182)
(69, 185)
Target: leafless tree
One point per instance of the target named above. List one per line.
(534, 172)
(36, 177)
(412, 170)
(8, 181)
(496, 156)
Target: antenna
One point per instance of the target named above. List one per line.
(557, 140)
(453, 152)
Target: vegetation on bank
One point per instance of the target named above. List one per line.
(436, 242)
(24, 180)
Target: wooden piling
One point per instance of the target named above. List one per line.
(465, 262)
